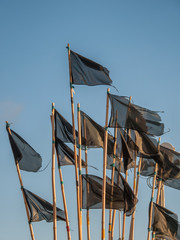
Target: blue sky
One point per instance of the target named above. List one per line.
(138, 41)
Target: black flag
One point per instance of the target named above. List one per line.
(87, 72)
(29, 160)
(165, 223)
(40, 209)
(131, 116)
(65, 154)
(121, 197)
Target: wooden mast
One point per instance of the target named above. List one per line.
(53, 177)
(112, 177)
(75, 151)
(80, 162)
(22, 190)
(104, 168)
(86, 161)
(152, 197)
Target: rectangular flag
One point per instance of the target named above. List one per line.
(29, 160)
(165, 223)
(131, 116)
(87, 72)
(40, 209)
(121, 197)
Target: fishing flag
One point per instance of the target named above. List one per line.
(93, 134)
(63, 129)
(87, 72)
(170, 173)
(65, 154)
(165, 223)
(29, 160)
(40, 209)
(118, 196)
(131, 116)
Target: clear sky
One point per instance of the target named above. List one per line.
(138, 41)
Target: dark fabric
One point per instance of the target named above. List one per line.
(170, 173)
(65, 154)
(131, 116)
(93, 134)
(121, 197)
(165, 223)
(145, 145)
(87, 72)
(40, 209)
(29, 160)
(63, 129)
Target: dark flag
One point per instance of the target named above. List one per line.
(93, 134)
(121, 198)
(131, 116)
(170, 173)
(87, 72)
(165, 223)
(63, 129)
(40, 209)
(65, 154)
(29, 160)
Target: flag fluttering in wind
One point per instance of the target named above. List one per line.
(93, 134)
(63, 129)
(65, 154)
(165, 223)
(131, 116)
(170, 173)
(40, 209)
(87, 72)
(122, 196)
(29, 160)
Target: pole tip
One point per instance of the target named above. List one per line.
(108, 90)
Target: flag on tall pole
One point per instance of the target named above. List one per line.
(131, 116)
(75, 151)
(18, 156)
(86, 72)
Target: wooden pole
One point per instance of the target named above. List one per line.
(64, 199)
(75, 151)
(53, 177)
(126, 174)
(157, 197)
(104, 168)
(131, 235)
(114, 212)
(152, 197)
(80, 161)
(112, 177)
(124, 214)
(21, 183)
(86, 161)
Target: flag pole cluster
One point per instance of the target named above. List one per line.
(135, 136)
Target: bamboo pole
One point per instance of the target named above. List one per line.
(131, 235)
(22, 190)
(157, 197)
(152, 197)
(104, 168)
(64, 198)
(75, 151)
(80, 161)
(124, 214)
(114, 212)
(112, 178)
(86, 161)
(53, 177)
(126, 177)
